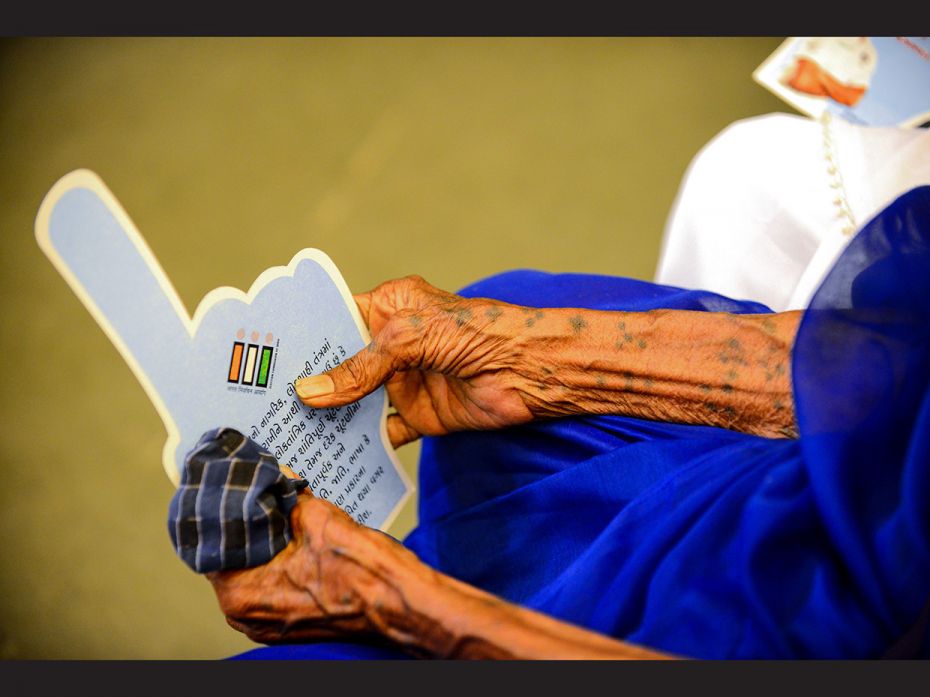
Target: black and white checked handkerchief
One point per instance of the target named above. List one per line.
(232, 508)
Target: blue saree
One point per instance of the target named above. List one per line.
(701, 541)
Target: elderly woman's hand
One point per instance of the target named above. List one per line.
(336, 579)
(339, 580)
(451, 363)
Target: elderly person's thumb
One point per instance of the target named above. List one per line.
(394, 349)
(348, 382)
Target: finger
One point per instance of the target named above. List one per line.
(297, 523)
(237, 625)
(287, 471)
(363, 300)
(398, 346)
(223, 578)
(399, 431)
(348, 382)
(291, 474)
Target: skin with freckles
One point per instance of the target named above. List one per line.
(450, 364)
(338, 580)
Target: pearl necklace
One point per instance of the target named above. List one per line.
(840, 201)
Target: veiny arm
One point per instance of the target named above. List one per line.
(451, 363)
(339, 580)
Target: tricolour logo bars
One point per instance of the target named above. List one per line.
(250, 364)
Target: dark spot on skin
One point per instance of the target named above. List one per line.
(779, 369)
(788, 432)
(618, 345)
(463, 316)
(530, 321)
(622, 326)
(642, 344)
(492, 313)
(372, 347)
(724, 359)
(415, 320)
(778, 405)
(546, 371)
(346, 599)
(710, 406)
(540, 314)
(577, 323)
(600, 381)
(730, 412)
(768, 325)
(734, 344)
(704, 387)
(727, 388)
(628, 337)
(732, 374)
(648, 382)
(768, 376)
(628, 379)
(542, 386)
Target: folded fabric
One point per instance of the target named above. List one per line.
(705, 542)
(232, 508)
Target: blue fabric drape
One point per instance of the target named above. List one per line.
(706, 542)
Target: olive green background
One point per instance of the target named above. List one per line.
(450, 158)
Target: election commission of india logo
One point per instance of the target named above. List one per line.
(251, 363)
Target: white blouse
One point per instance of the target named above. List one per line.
(758, 214)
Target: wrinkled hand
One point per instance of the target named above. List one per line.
(448, 363)
(335, 579)
(339, 580)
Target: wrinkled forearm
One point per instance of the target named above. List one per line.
(450, 619)
(706, 368)
(433, 615)
(339, 580)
